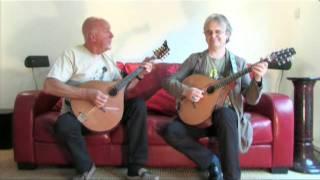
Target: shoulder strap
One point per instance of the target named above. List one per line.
(233, 62)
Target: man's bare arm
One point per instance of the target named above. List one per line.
(58, 88)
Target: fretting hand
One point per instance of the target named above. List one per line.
(259, 70)
(147, 65)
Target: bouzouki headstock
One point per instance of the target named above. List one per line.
(280, 59)
(162, 51)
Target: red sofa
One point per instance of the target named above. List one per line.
(35, 144)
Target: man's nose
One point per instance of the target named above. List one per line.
(213, 34)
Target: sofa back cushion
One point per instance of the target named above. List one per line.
(150, 88)
(163, 103)
(152, 82)
(145, 88)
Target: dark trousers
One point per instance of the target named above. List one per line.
(184, 138)
(71, 132)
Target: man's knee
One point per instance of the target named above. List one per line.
(59, 127)
(173, 133)
(226, 118)
(65, 125)
(139, 103)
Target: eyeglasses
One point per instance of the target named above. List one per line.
(217, 32)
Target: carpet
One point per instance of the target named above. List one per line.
(9, 171)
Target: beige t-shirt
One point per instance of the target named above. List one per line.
(77, 65)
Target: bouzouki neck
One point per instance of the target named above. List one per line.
(279, 57)
(223, 82)
(125, 81)
(157, 54)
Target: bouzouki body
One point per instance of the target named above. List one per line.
(215, 91)
(99, 119)
(108, 117)
(199, 113)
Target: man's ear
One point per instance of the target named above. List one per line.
(92, 37)
(228, 37)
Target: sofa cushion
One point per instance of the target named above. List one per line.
(155, 123)
(57, 107)
(163, 103)
(43, 127)
(262, 133)
(44, 130)
(262, 129)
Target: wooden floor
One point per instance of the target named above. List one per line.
(8, 171)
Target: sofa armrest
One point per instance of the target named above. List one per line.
(279, 108)
(23, 116)
(28, 105)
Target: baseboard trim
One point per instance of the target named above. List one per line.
(279, 170)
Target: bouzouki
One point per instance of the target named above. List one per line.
(106, 118)
(215, 91)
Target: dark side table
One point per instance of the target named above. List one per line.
(304, 157)
(6, 128)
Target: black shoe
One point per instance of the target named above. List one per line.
(88, 175)
(215, 172)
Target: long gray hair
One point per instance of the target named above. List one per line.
(220, 19)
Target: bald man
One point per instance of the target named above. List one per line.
(87, 62)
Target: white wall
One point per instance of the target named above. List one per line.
(260, 26)
(306, 41)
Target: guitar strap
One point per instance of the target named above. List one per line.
(233, 62)
(245, 129)
(234, 71)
